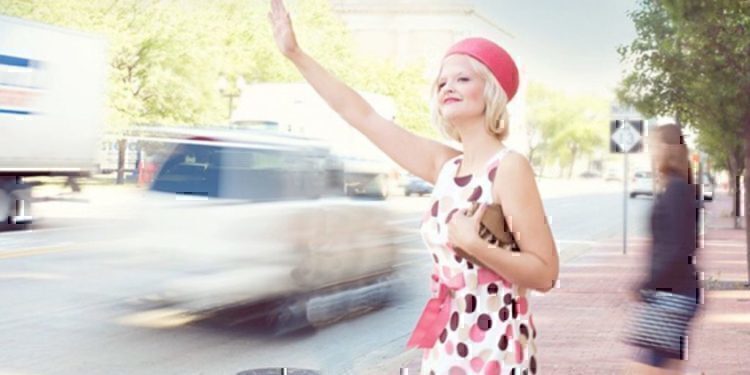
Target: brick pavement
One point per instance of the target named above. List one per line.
(580, 322)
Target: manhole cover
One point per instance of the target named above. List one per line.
(279, 371)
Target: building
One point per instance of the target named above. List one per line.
(420, 31)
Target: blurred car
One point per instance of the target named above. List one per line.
(642, 184)
(416, 185)
(709, 186)
(611, 175)
(589, 174)
(249, 217)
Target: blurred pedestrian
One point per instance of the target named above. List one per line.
(479, 320)
(668, 297)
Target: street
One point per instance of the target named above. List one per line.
(73, 300)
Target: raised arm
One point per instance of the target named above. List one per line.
(419, 155)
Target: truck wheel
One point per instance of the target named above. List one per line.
(8, 210)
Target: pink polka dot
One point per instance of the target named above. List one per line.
(449, 347)
(492, 368)
(447, 272)
(523, 305)
(457, 371)
(477, 364)
(519, 352)
(476, 334)
(509, 331)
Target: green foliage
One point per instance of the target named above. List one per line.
(166, 55)
(565, 127)
(690, 60)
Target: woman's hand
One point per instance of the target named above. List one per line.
(283, 32)
(463, 229)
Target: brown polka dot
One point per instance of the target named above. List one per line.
(458, 258)
(450, 215)
(524, 330)
(532, 365)
(503, 344)
(469, 265)
(475, 194)
(434, 210)
(443, 335)
(454, 321)
(435, 258)
(492, 288)
(514, 309)
(462, 350)
(507, 299)
(463, 180)
(492, 173)
(471, 303)
(504, 314)
(484, 322)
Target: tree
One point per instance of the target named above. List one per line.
(568, 127)
(690, 60)
(166, 55)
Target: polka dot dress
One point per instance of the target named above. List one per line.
(490, 331)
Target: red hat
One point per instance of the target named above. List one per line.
(493, 57)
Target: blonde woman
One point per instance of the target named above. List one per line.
(670, 292)
(479, 320)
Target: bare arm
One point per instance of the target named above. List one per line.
(420, 156)
(537, 265)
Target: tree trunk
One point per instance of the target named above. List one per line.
(121, 144)
(747, 194)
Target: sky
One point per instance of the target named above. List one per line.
(568, 44)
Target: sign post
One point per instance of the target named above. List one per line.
(625, 139)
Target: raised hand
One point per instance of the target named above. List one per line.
(283, 32)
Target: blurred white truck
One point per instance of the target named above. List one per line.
(51, 108)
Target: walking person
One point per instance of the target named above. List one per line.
(669, 295)
(479, 320)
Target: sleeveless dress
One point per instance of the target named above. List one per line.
(477, 322)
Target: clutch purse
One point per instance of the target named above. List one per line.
(494, 229)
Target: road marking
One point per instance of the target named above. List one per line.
(36, 251)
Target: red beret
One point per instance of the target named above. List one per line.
(493, 57)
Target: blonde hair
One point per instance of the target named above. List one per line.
(496, 117)
(672, 158)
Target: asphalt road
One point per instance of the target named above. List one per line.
(73, 305)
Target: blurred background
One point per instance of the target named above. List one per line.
(171, 191)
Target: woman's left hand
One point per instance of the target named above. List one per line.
(463, 229)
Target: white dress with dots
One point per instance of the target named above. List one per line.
(489, 328)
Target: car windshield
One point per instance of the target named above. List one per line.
(246, 173)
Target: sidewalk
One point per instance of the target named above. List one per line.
(580, 323)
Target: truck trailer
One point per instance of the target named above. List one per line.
(52, 95)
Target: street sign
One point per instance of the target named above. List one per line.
(626, 136)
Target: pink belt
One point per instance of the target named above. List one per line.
(436, 314)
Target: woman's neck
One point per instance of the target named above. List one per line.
(478, 145)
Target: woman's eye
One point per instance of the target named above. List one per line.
(441, 85)
(463, 79)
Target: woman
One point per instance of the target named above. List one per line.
(479, 321)
(669, 294)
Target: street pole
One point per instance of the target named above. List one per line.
(625, 208)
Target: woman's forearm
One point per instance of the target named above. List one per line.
(340, 97)
(521, 268)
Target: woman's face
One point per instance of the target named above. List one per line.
(460, 90)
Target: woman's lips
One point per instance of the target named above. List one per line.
(450, 100)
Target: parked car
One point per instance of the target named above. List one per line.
(642, 184)
(251, 218)
(416, 185)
